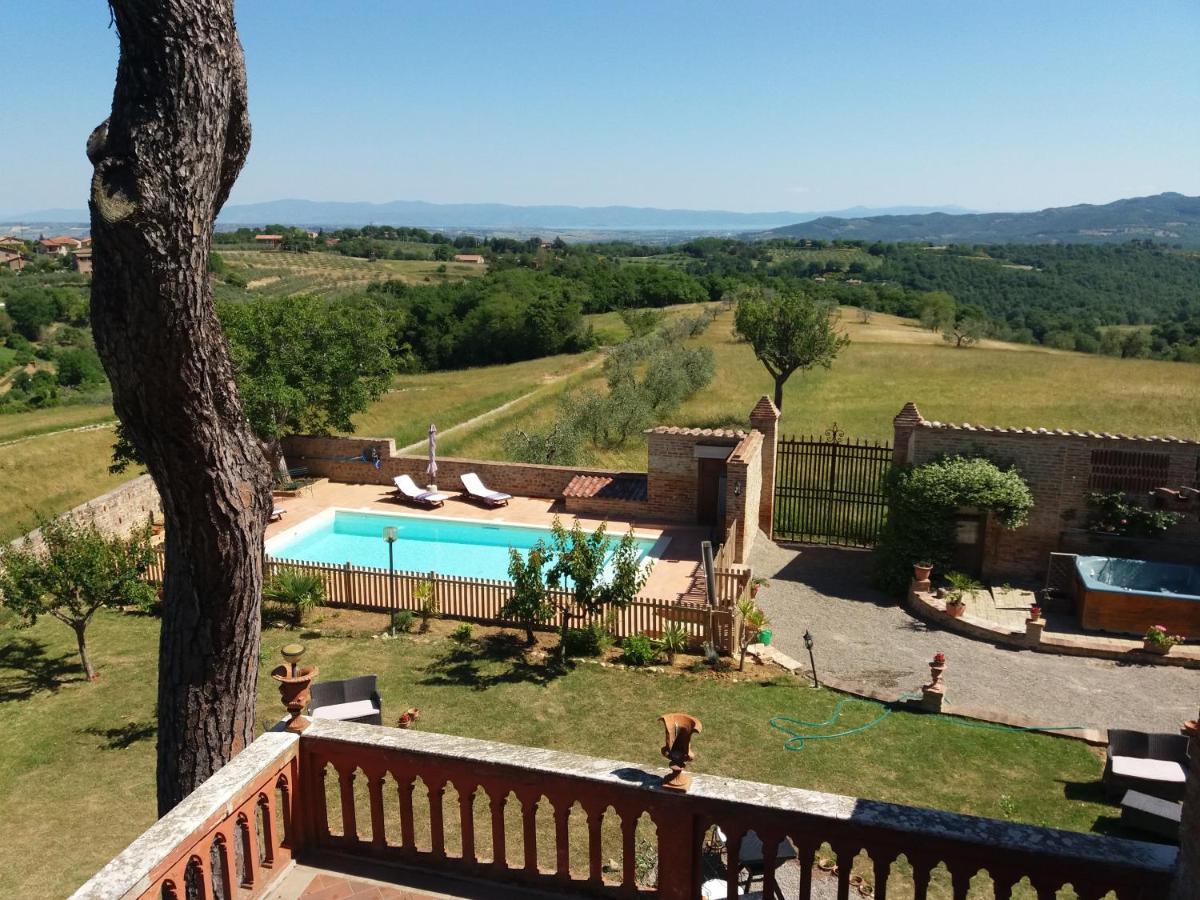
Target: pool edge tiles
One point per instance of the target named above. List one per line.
(319, 540)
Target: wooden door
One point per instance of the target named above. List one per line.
(710, 491)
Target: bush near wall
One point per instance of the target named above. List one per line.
(922, 502)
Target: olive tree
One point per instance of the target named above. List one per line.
(75, 571)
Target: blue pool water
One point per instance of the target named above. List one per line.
(423, 543)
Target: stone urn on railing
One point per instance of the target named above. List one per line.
(677, 748)
(294, 684)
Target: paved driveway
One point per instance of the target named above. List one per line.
(862, 636)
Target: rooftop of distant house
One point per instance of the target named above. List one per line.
(468, 257)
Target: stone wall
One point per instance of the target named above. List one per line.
(119, 511)
(1060, 469)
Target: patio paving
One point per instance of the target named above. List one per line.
(866, 638)
(671, 578)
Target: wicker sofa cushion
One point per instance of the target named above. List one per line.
(344, 711)
(1148, 769)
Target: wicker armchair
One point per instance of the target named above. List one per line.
(1123, 772)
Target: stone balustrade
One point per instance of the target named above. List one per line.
(343, 790)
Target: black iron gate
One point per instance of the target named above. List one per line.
(830, 490)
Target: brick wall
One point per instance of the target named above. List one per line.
(673, 471)
(743, 492)
(1056, 464)
(119, 511)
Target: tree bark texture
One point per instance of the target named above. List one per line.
(164, 164)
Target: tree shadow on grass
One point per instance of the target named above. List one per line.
(26, 669)
(124, 736)
(494, 660)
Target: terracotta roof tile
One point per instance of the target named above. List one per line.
(608, 487)
(1057, 432)
(698, 432)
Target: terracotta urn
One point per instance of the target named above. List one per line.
(294, 684)
(937, 667)
(407, 718)
(921, 573)
(677, 748)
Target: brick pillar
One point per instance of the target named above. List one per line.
(903, 426)
(765, 418)
(1186, 885)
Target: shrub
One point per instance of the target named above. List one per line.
(402, 621)
(300, 592)
(1112, 513)
(462, 634)
(674, 640)
(590, 641)
(427, 604)
(638, 650)
(922, 501)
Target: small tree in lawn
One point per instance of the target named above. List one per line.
(789, 331)
(599, 573)
(754, 620)
(79, 570)
(528, 604)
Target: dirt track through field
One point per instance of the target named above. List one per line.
(503, 407)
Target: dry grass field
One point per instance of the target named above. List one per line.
(891, 361)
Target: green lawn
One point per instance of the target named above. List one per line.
(75, 753)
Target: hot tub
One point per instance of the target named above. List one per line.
(1130, 595)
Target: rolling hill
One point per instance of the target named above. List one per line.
(1170, 218)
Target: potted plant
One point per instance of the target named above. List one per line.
(1035, 612)
(960, 586)
(758, 584)
(922, 571)
(1158, 640)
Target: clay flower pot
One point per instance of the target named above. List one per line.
(921, 573)
(956, 609)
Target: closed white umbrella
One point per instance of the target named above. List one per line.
(432, 468)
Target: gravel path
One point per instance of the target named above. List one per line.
(863, 636)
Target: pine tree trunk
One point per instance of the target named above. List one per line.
(164, 164)
(86, 660)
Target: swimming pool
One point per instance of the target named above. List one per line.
(468, 548)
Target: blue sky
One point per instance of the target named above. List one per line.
(735, 105)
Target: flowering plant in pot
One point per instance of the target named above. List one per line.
(1158, 640)
(407, 718)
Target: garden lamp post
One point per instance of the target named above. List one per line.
(808, 645)
(389, 535)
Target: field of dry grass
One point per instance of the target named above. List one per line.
(891, 361)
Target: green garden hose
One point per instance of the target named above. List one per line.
(797, 740)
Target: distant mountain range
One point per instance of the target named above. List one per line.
(1170, 218)
(494, 216)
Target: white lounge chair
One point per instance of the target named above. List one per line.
(277, 513)
(477, 491)
(406, 489)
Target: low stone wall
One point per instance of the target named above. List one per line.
(924, 605)
(117, 512)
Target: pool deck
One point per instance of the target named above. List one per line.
(674, 575)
